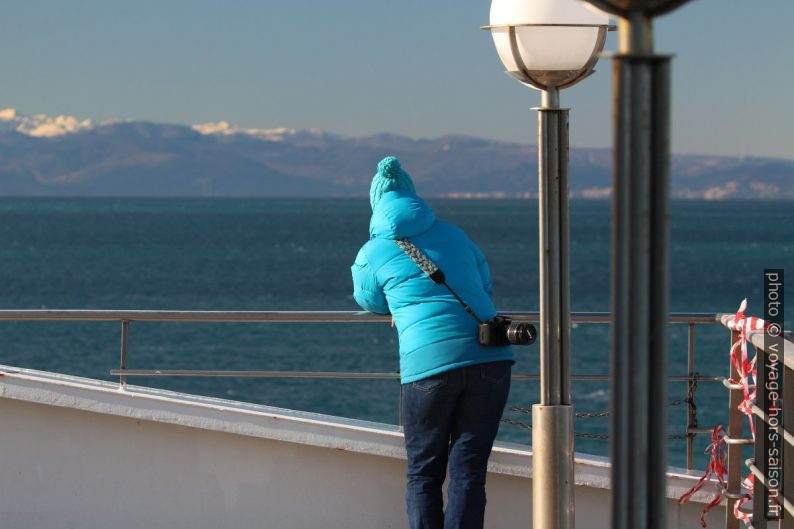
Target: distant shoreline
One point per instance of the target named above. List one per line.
(450, 196)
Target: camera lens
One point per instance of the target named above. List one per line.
(521, 333)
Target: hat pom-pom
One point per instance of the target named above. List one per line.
(390, 167)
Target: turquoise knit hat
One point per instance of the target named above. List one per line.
(390, 177)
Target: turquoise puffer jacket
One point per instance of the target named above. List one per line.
(436, 334)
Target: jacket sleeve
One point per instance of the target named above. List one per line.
(482, 266)
(366, 290)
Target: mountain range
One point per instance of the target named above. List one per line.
(64, 156)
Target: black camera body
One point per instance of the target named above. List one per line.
(501, 330)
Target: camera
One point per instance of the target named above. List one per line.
(501, 330)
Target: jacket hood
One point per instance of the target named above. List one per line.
(400, 214)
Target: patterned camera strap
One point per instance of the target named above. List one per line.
(431, 270)
(428, 267)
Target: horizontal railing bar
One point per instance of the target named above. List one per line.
(193, 316)
(739, 441)
(787, 436)
(337, 374)
(760, 478)
(598, 378)
(734, 386)
(249, 374)
(757, 339)
(728, 494)
(286, 316)
(699, 430)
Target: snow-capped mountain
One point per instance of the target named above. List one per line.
(64, 155)
(223, 128)
(42, 125)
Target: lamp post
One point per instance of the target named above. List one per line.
(640, 268)
(549, 45)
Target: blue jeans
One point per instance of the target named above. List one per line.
(452, 418)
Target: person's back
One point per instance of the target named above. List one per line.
(454, 389)
(436, 333)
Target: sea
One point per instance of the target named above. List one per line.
(295, 254)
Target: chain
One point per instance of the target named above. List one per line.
(585, 435)
(591, 415)
(692, 387)
(517, 423)
(597, 436)
(594, 414)
(689, 401)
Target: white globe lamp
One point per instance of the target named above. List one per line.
(548, 43)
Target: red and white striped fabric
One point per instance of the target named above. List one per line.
(747, 485)
(739, 321)
(717, 467)
(740, 358)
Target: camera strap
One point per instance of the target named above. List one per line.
(431, 270)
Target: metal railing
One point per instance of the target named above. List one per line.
(735, 442)
(125, 317)
(733, 439)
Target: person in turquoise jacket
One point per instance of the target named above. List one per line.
(454, 389)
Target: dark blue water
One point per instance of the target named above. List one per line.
(295, 255)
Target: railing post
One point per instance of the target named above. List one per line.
(734, 450)
(691, 414)
(125, 327)
(788, 447)
(759, 449)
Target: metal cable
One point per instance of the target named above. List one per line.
(586, 435)
(593, 414)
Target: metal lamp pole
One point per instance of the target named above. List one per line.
(640, 267)
(552, 419)
(549, 45)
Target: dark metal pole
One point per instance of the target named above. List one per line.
(553, 237)
(640, 266)
(640, 235)
(552, 419)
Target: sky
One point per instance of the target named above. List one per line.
(420, 68)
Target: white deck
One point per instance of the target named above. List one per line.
(81, 453)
